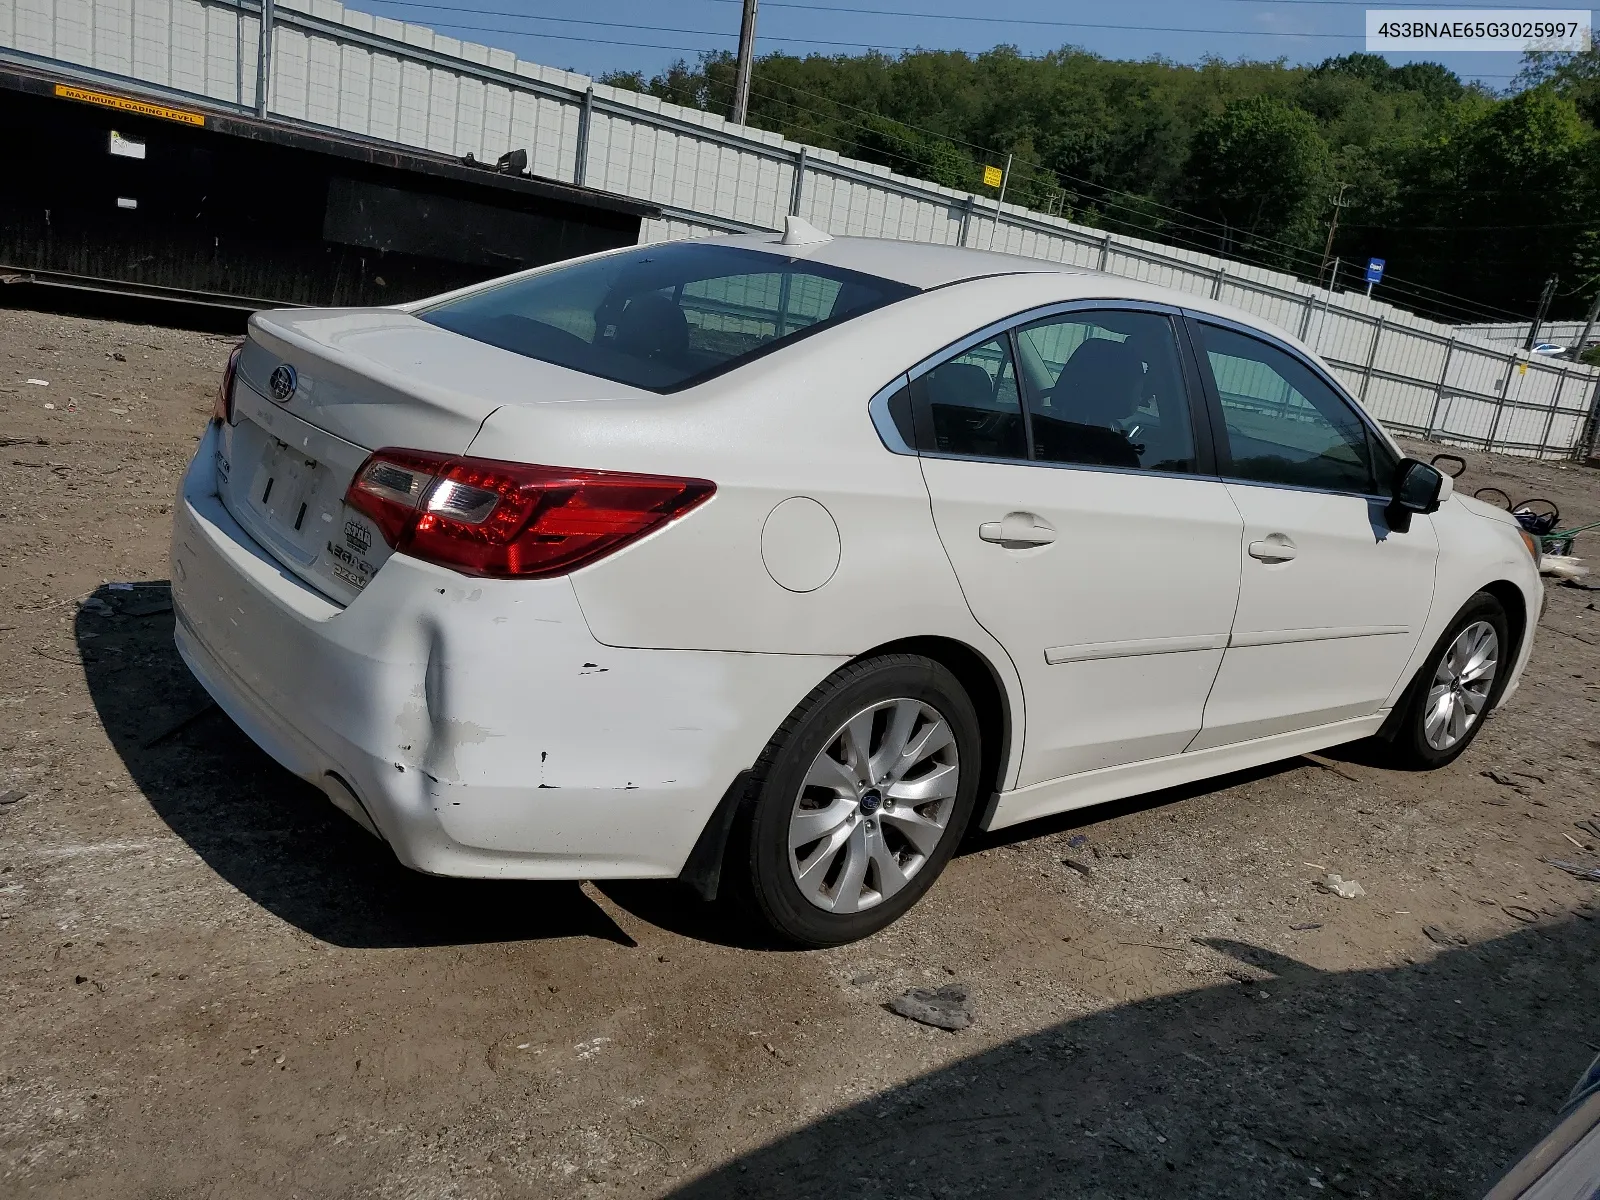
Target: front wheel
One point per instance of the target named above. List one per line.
(1457, 688)
(858, 801)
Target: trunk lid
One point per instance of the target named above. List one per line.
(318, 390)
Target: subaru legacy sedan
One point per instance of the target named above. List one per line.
(777, 564)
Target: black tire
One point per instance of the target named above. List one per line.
(1409, 746)
(757, 866)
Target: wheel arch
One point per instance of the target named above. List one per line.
(987, 690)
(1516, 605)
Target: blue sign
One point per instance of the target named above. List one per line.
(1374, 270)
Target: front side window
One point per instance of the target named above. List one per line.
(970, 404)
(1284, 424)
(1106, 388)
(667, 316)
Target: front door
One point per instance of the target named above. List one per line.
(1331, 600)
(1061, 461)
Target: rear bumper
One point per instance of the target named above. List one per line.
(475, 725)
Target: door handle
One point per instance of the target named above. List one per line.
(1018, 529)
(1274, 548)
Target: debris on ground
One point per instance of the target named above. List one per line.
(11, 796)
(1505, 780)
(1077, 841)
(1443, 937)
(1563, 566)
(1337, 885)
(1576, 869)
(40, 382)
(1077, 864)
(945, 1008)
(1302, 926)
(1526, 915)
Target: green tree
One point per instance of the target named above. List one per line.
(1257, 169)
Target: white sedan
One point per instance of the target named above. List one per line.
(779, 564)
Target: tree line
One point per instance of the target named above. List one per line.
(1474, 199)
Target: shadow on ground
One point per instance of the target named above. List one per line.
(1424, 1080)
(273, 836)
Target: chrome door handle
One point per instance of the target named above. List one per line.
(1274, 548)
(1018, 529)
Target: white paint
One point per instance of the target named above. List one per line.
(800, 544)
(587, 726)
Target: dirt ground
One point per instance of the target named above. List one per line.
(216, 985)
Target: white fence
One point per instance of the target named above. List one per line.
(1559, 333)
(330, 66)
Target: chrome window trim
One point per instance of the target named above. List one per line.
(883, 419)
(1027, 317)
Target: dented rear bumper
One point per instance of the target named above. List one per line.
(475, 725)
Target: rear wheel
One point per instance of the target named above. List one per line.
(1457, 687)
(858, 801)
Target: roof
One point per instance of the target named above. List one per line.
(918, 264)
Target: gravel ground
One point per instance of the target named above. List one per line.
(215, 984)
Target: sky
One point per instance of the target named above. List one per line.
(595, 36)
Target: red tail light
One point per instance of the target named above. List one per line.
(512, 520)
(222, 409)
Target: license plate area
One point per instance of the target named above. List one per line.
(285, 484)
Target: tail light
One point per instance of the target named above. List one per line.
(222, 409)
(512, 520)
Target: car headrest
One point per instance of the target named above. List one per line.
(652, 326)
(1102, 382)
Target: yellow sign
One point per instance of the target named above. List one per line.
(122, 104)
(992, 176)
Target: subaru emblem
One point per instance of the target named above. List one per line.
(281, 383)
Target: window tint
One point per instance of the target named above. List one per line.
(1285, 425)
(969, 404)
(666, 316)
(1107, 388)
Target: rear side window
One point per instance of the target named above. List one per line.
(1284, 424)
(970, 404)
(664, 317)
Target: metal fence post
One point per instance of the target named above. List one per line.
(264, 57)
(798, 191)
(1372, 357)
(580, 157)
(1105, 253)
(966, 218)
(1305, 317)
(1438, 392)
(1589, 440)
(1216, 284)
(1555, 403)
(1500, 403)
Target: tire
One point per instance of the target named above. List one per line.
(879, 847)
(1417, 742)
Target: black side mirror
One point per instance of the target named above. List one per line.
(1416, 490)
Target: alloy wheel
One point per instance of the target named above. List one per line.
(874, 805)
(1461, 685)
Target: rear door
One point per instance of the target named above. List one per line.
(1331, 600)
(1069, 487)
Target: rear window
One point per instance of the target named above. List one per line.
(664, 317)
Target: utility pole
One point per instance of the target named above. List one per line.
(1544, 307)
(747, 57)
(1588, 328)
(1327, 249)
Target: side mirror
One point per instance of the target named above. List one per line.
(1418, 488)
